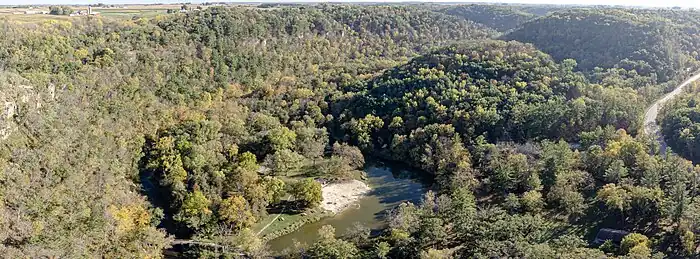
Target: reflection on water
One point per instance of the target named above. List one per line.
(390, 184)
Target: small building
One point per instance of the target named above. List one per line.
(605, 234)
(89, 12)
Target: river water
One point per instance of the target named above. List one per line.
(391, 184)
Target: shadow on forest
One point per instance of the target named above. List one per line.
(153, 194)
(596, 217)
(289, 207)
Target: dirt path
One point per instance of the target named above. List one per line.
(650, 126)
(275, 219)
(336, 197)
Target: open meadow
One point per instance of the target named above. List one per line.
(42, 13)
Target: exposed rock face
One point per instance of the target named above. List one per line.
(16, 98)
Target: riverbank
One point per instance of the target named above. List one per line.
(336, 198)
(389, 185)
(288, 223)
(339, 196)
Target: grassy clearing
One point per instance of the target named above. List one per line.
(35, 18)
(287, 222)
(285, 219)
(126, 13)
(129, 11)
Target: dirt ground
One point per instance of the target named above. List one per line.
(339, 196)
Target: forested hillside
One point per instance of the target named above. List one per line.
(500, 18)
(179, 108)
(643, 41)
(119, 136)
(542, 200)
(680, 124)
(497, 90)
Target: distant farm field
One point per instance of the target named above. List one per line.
(37, 14)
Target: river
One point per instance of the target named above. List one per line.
(391, 184)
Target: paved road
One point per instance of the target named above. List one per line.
(650, 126)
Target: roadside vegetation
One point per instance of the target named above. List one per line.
(680, 124)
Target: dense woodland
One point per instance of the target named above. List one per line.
(121, 135)
(680, 123)
(643, 48)
(500, 18)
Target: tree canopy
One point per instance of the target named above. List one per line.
(118, 136)
(651, 45)
(500, 18)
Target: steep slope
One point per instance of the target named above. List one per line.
(499, 90)
(312, 44)
(644, 42)
(64, 186)
(189, 102)
(680, 124)
(500, 18)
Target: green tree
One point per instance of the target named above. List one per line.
(336, 168)
(236, 211)
(60, 10)
(635, 243)
(382, 250)
(167, 162)
(532, 201)
(509, 171)
(311, 142)
(248, 162)
(363, 128)
(614, 197)
(350, 154)
(195, 210)
(285, 162)
(328, 246)
(308, 192)
(275, 189)
(616, 172)
(512, 203)
(687, 241)
(281, 138)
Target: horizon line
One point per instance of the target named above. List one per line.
(496, 2)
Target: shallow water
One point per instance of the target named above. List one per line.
(391, 185)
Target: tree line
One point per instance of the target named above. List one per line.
(123, 134)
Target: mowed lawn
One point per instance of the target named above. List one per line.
(286, 222)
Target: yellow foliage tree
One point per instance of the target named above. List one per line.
(235, 210)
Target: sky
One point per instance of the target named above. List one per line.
(656, 3)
